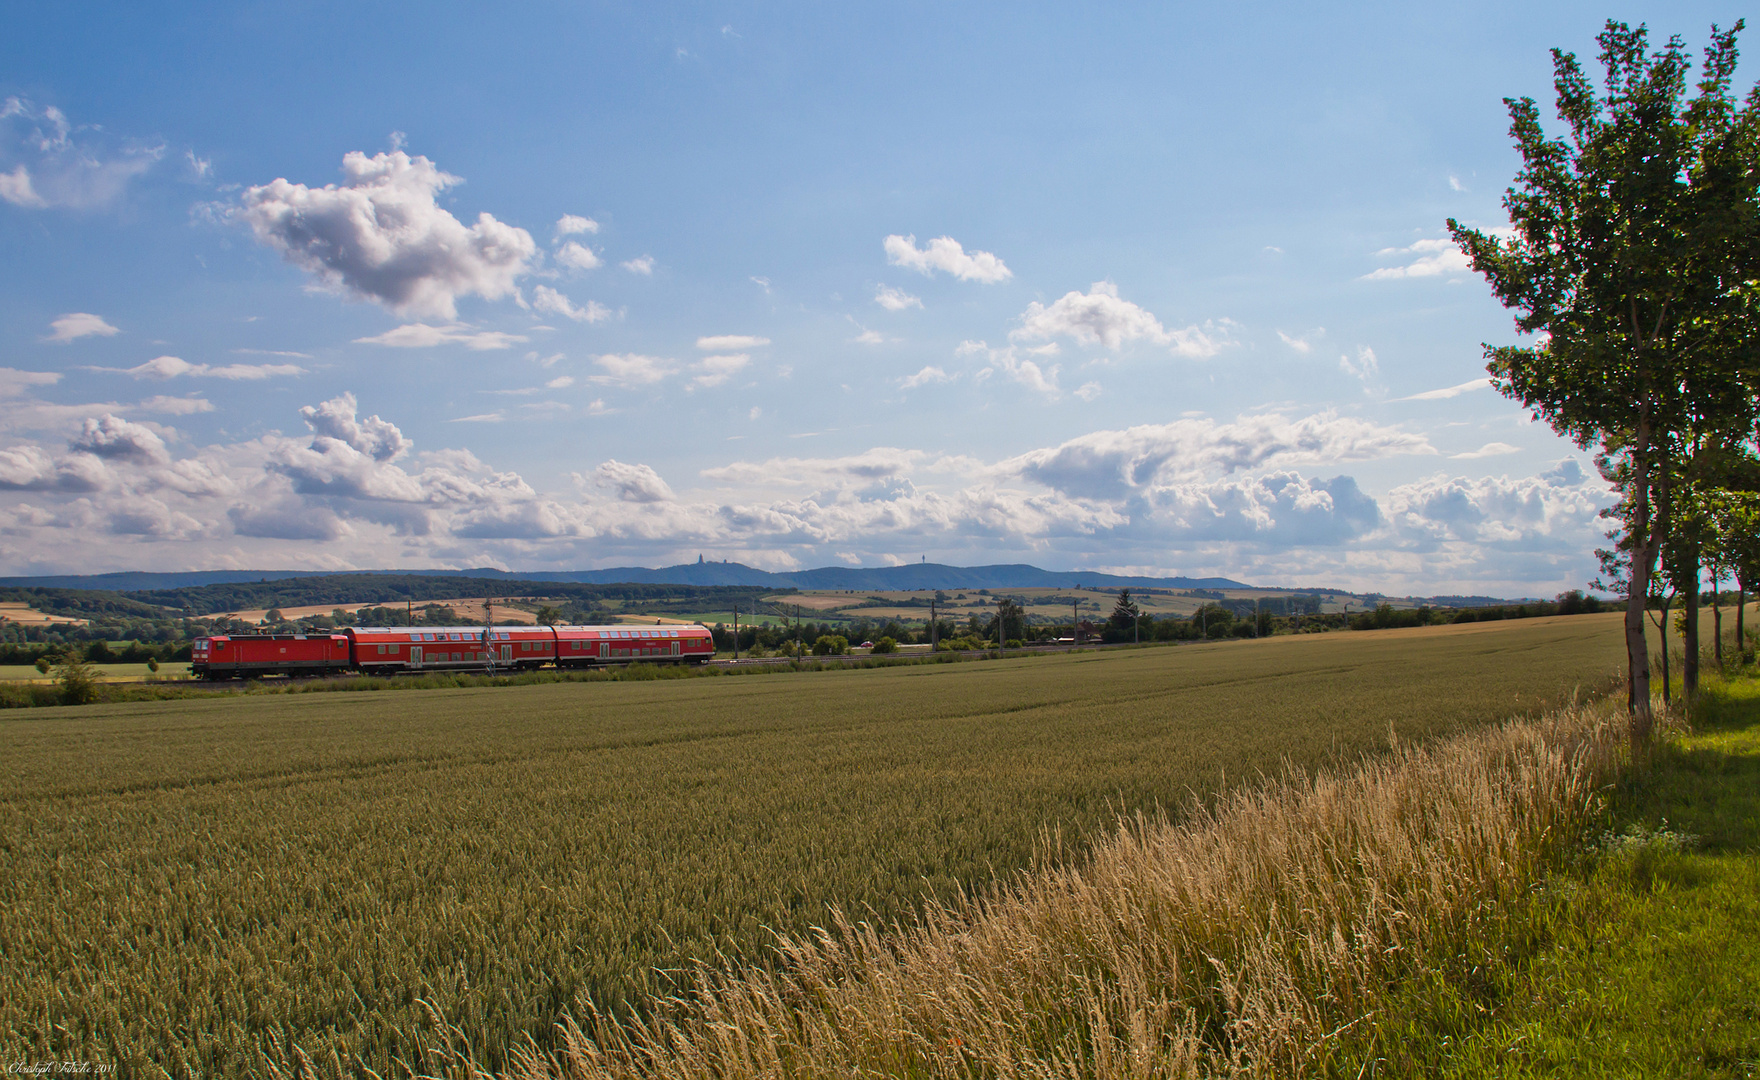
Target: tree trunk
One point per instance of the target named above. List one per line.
(1690, 637)
(1640, 529)
(1662, 629)
(1717, 617)
(1741, 610)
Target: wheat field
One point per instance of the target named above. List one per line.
(204, 888)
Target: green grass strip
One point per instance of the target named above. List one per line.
(1639, 959)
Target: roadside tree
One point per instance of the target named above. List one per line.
(1633, 261)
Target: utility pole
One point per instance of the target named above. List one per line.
(489, 635)
(934, 627)
(1255, 618)
(1001, 631)
(1137, 630)
(1075, 620)
(736, 633)
(409, 612)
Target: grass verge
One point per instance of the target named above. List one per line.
(1640, 957)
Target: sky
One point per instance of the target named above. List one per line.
(1155, 289)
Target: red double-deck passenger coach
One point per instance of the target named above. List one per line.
(393, 649)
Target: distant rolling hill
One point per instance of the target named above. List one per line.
(874, 579)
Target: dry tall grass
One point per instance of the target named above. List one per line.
(1239, 941)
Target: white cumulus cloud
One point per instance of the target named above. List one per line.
(112, 437)
(335, 419)
(730, 342)
(78, 324)
(1562, 501)
(176, 406)
(1450, 391)
(551, 302)
(578, 257)
(1018, 368)
(1490, 449)
(16, 383)
(63, 165)
(1101, 317)
(632, 483)
(1097, 317)
(946, 254)
(929, 374)
(1365, 367)
(632, 369)
(1426, 258)
(1117, 463)
(895, 299)
(641, 264)
(426, 336)
(382, 236)
(569, 224)
(718, 369)
(161, 368)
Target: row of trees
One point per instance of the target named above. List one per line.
(1635, 264)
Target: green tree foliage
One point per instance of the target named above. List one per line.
(549, 616)
(885, 645)
(1124, 612)
(1634, 261)
(1011, 620)
(1214, 621)
(78, 678)
(830, 645)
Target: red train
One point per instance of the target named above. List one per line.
(394, 649)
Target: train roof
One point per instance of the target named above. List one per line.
(521, 629)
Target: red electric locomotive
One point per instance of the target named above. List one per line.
(255, 655)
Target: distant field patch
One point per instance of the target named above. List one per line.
(470, 610)
(193, 880)
(168, 670)
(25, 615)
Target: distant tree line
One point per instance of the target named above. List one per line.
(346, 590)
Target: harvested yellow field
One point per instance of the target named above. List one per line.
(470, 610)
(25, 615)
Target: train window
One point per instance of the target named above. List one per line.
(381, 650)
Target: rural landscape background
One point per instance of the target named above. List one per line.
(1227, 540)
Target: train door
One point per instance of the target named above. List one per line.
(604, 650)
(415, 656)
(675, 648)
(507, 654)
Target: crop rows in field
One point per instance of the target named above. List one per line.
(188, 885)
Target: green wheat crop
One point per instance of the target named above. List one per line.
(195, 888)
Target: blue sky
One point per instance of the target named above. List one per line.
(1157, 289)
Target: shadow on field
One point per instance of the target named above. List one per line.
(1710, 789)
